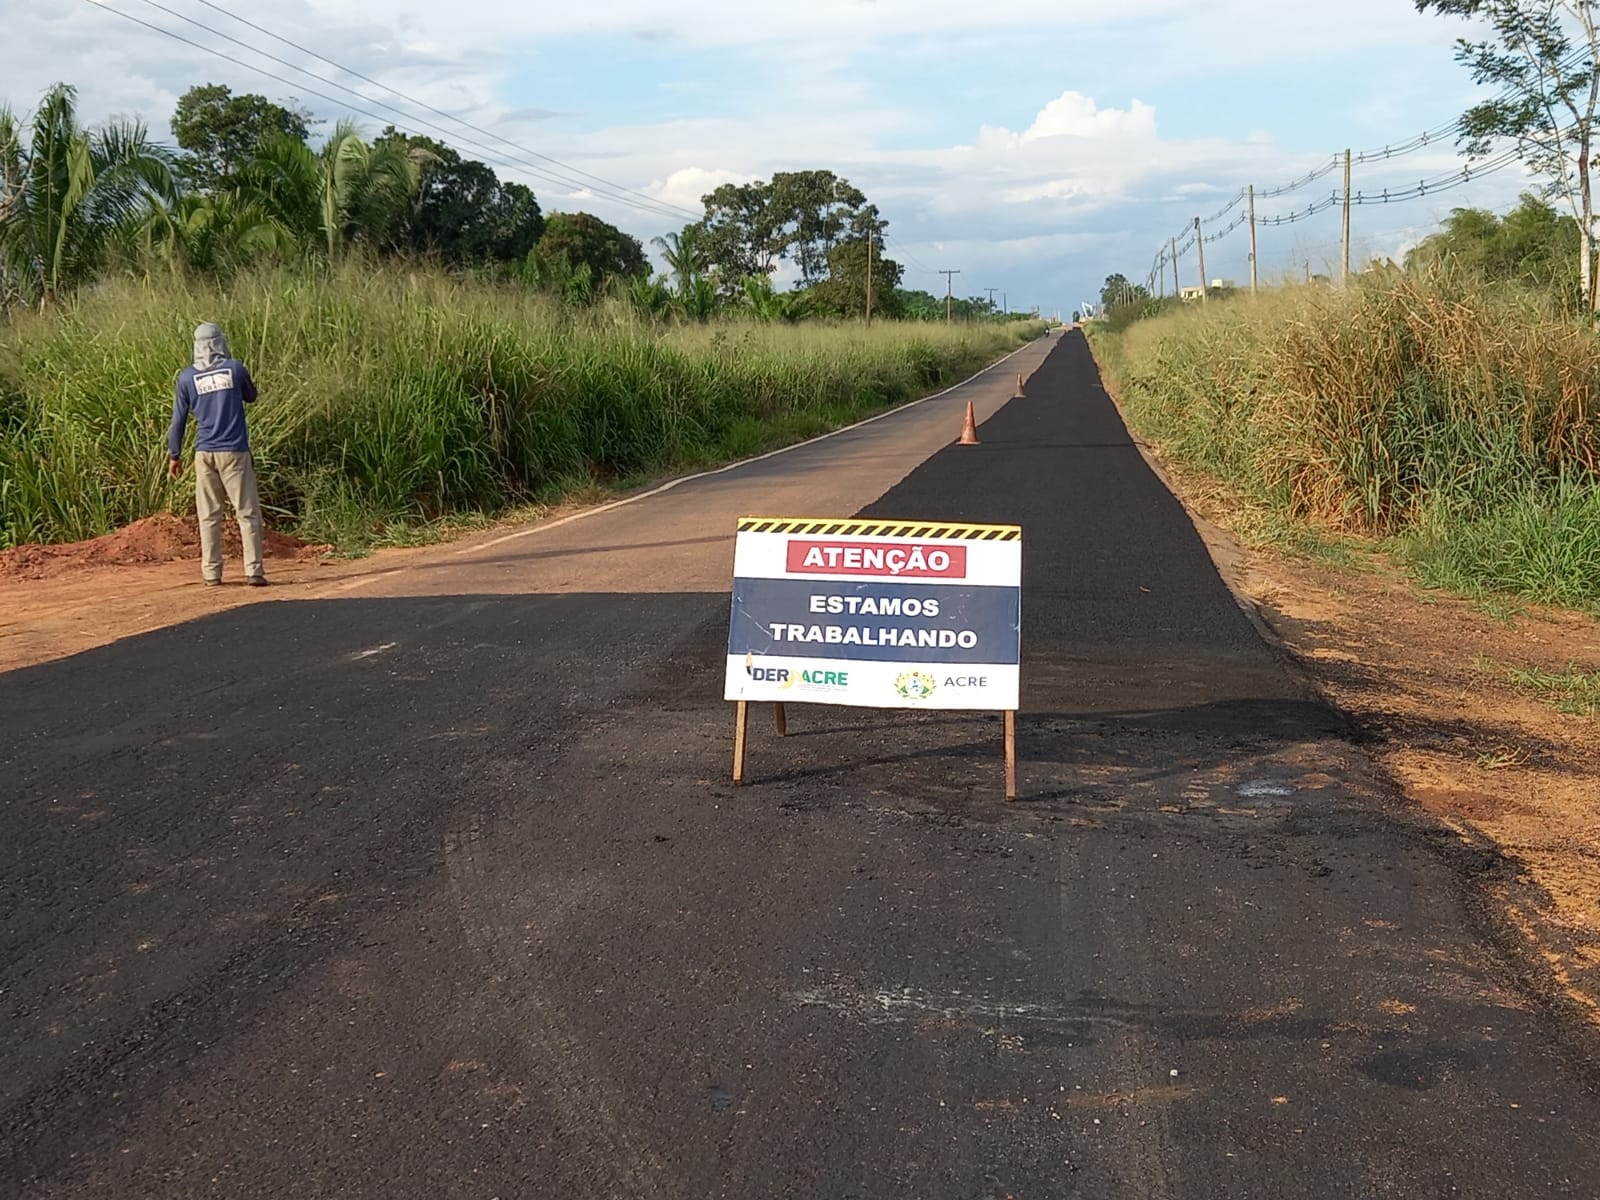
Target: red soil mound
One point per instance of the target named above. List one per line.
(157, 539)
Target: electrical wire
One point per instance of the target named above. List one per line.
(608, 191)
(438, 112)
(901, 251)
(1424, 187)
(658, 209)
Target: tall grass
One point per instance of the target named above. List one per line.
(1457, 419)
(394, 398)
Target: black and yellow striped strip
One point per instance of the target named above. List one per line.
(824, 527)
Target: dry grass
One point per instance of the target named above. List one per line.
(1460, 420)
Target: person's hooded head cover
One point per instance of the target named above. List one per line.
(210, 347)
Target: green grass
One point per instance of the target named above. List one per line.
(395, 401)
(1541, 543)
(1572, 691)
(1454, 423)
(1501, 609)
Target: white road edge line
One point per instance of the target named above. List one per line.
(734, 466)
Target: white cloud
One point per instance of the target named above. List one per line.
(1074, 115)
(687, 185)
(1081, 180)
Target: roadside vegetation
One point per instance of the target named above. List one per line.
(1449, 405)
(394, 398)
(1449, 409)
(430, 344)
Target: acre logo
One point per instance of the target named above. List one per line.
(916, 685)
(787, 679)
(827, 681)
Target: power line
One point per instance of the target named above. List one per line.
(441, 112)
(1423, 187)
(900, 248)
(1379, 154)
(609, 192)
(654, 208)
(1431, 186)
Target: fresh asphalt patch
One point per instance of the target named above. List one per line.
(452, 897)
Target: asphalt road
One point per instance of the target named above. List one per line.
(439, 889)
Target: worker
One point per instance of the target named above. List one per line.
(216, 389)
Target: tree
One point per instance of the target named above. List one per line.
(1117, 291)
(844, 291)
(798, 215)
(767, 304)
(1544, 56)
(220, 132)
(743, 232)
(1533, 244)
(66, 192)
(919, 305)
(461, 211)
(814, 211)
(207, 233)
(685, 252)
(347, 191)
(575, 241)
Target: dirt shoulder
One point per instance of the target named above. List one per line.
(1445, 693)
(63, 599)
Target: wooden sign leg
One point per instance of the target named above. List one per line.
(741, 723)
(1011, 756)
(782, 719)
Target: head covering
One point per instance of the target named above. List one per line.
(210, 346)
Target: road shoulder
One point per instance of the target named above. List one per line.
(1439, 689)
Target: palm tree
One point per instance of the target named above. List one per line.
(334, 195)
(208, 233)
(66, 191)
(685, 254)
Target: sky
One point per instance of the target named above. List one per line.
(1035, 148)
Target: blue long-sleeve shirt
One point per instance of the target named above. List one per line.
(216, 396)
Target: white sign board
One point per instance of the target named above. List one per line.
(876, 614)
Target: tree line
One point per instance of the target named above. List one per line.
(253, 180)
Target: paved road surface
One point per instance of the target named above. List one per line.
(436, 888)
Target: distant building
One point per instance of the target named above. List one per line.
(1192, 293)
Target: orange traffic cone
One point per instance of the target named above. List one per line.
(969, 428)
(1018, 396)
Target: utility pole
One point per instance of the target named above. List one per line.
(1177, 288)
(1200, 245)
(1344, 266)
(1005, 305)
(949, 276)
(1252, 239)
(991, 292)
(869, 277)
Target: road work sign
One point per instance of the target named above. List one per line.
(876, 614)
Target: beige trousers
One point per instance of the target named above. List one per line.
(221, 477)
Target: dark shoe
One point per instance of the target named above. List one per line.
(212, 582)
(257, 581)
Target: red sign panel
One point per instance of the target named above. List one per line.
(880, 560)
